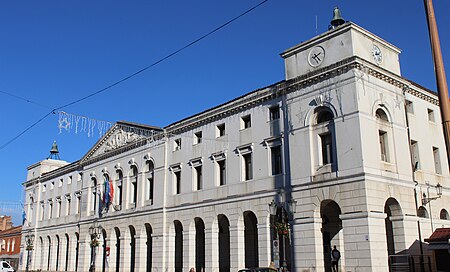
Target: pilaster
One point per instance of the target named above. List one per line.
(237, 252)
(211, 250)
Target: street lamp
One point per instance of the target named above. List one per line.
(281, 224)
(426, 200)
(94, 231)
(29, 239)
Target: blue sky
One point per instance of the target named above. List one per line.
(54, 52)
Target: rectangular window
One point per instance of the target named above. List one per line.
(177, 144)
(415, 154)
(383, 146)
(78, 203)
(277, 165)
(327, 148)
(220, 131)
(198, 177)
(247, 165)
(177, 176)
(409, 106)
(69, 200)
(222, 172)
(50, 210)
(198, 137)
(246, 122)
(274, 113)
(437, 161)
(69, 181)
(150, 188)
(430, 115)
(58, 207)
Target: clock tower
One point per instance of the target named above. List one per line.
(341, 42)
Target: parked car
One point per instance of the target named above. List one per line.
(6, 267)
(258, 269)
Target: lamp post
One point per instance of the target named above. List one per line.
(427, 200)
(94, 231)
(281, 224)
(29, 239)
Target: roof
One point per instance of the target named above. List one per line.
(14, 231)
(439, 235)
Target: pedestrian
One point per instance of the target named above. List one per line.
(192, 269)
(335, 256)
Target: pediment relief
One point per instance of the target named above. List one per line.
(120, 135)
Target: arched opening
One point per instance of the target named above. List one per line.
(77, 249)
(323, 115)
(331, 226)
(49, 248)
(224, 243)
(178, 246)
(443, 214)
(119, 191)
(391, 208)
(104, 254)
(199, 244)
(67, 253)
(117, 231)
(133, 185)
(325, 137)
(422, 212)
(57, 253)
(41, 247)
(251, 239)
(150, 180)
(149, 244)
(132, 248)
(94, 194)
(381, 115)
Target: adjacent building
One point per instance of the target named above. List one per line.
(10, 238)
(346, 150)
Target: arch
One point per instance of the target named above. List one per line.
(331, 226)
(311, 115)
(77, 250)
(199, 244)
(49, 251)
(391, 208)
(94, 193)
(422, 212)
(149, 246)
(178, 246)
(444, 214)
(381, 115)
(224, 243)
(41, 245)
(251, 239)
(149, 173)
(57, 252)
(104, 254)
(322, 114)
(117, 233)
(132, 248)
(67, 252)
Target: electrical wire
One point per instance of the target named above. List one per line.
(53, 111)
(25, 99)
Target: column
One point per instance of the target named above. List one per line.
(62, 253)
(84, 257)
(141, 253)
(188, 249)
(212, 249)
(125, 253)
(158, 256)
(264, 244)
(112, 254)
(307, 244)
(365, 246)
(237, 251)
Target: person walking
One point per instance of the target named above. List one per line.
(192, 270)
(335, 256)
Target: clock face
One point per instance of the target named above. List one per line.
(377, 55)
(316, 56)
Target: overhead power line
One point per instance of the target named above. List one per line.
(135, 73)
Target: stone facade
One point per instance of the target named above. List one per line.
(345, 139)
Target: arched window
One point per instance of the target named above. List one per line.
(383, 134)
(325, 135)
(444, 215)
(119, 190)
(149, 169)
(422, 212)
(93, 194)
(133, 186)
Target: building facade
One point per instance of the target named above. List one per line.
(10, 238)
(344, 146)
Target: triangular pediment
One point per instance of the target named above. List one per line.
(120, 135)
